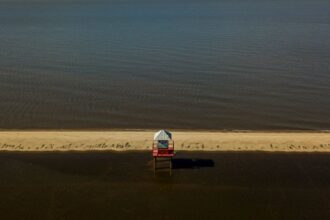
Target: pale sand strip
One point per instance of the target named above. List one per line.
(184, 140)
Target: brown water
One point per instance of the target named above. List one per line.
(111, 185)
(153, 64)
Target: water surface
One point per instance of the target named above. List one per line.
(177, 64)
(109, 185)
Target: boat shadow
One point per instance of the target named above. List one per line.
(179, 163)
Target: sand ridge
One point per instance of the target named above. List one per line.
(184, 140)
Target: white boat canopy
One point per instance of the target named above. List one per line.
(163, 135)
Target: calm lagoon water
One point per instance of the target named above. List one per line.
(203, 186)
(177, 64)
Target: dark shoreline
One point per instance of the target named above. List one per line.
(204, 185)
(172, 129)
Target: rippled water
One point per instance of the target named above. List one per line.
(176, 64)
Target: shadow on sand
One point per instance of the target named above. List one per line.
(192, 163)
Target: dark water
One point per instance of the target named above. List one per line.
(178, 64)
(203, 186)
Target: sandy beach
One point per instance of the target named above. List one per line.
(184, 141)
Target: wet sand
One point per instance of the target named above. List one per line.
(121, 185)
(184, 140)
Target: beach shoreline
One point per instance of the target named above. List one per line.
(137, 140)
